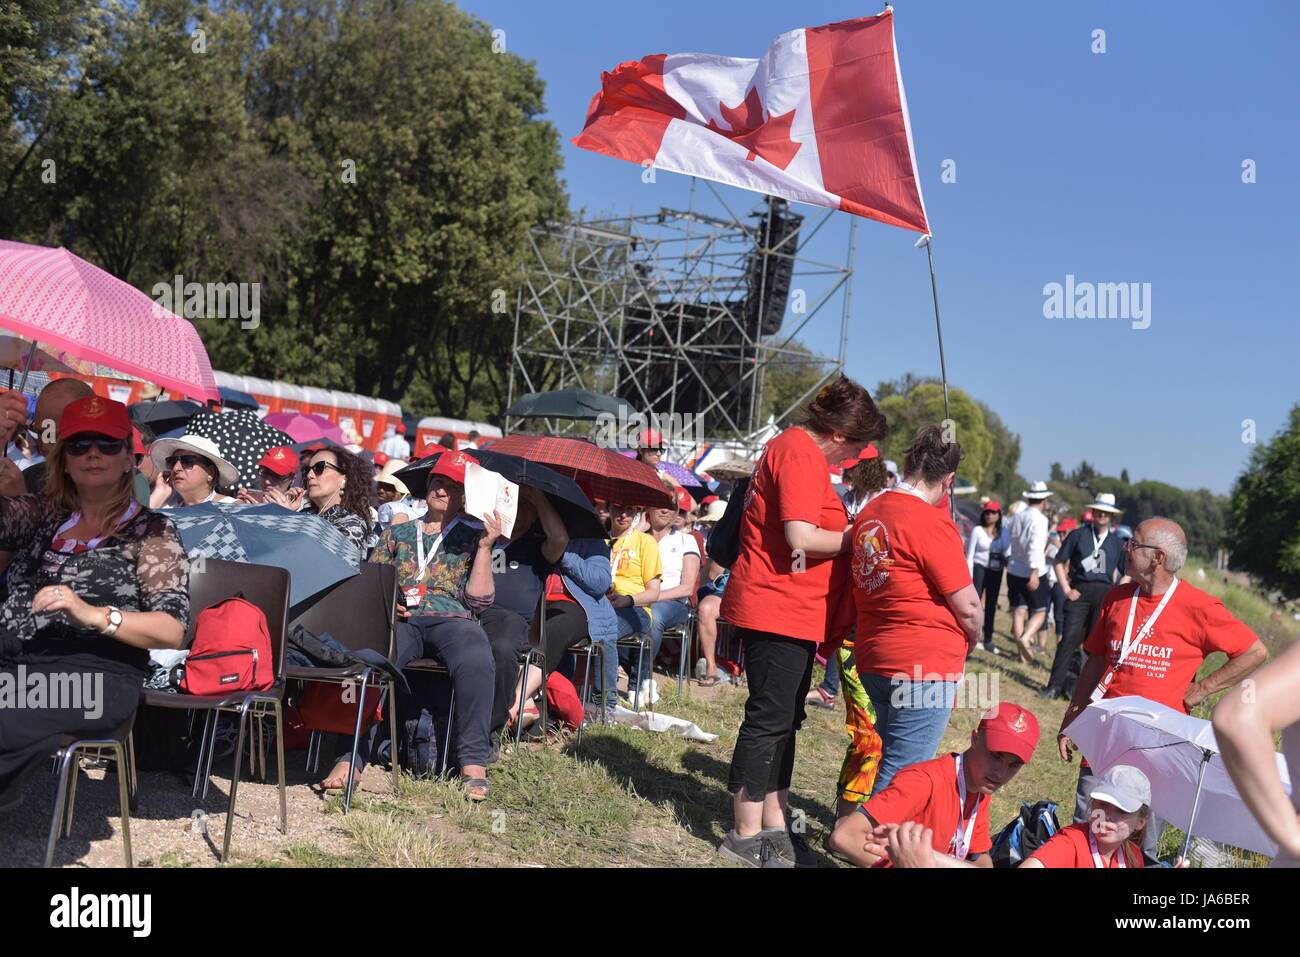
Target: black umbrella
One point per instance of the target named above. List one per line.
(576, 510)
(164, 416)
(569, 404)
(242, 437)
(234, 399)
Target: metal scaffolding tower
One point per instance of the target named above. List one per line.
(678, 312)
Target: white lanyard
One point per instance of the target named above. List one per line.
(1131, 641)
(1098, 542)
(960, 845)
(621, 545)
(71, 523)
(423, 559)
(908, 489)
(1096, 854)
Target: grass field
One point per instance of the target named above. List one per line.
(629, 798)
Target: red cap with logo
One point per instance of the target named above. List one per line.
(95, 415)
(280, 459)
(649, 439)
(452, 465)
(870, 452)
(684, 501)
(1010, 728)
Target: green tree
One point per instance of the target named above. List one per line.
(923, 405)
(1264, 524)
(1058, 473)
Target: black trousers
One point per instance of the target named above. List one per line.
(566, 625)
(107, 694)
(988, 583)
(1080, 616)
(780, 674)
(507, 633)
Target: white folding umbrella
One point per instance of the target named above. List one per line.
(1190, 786)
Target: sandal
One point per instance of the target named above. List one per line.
(476, 789)
(531, 714)
(709, 681)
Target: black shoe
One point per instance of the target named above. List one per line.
(792, 847)
(757, 851)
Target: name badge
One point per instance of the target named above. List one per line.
(414, 595)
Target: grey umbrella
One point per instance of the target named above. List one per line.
(313, 551)
(569, 404)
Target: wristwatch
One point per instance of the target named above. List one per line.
(114, 621)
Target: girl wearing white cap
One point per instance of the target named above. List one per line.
(1112, 835)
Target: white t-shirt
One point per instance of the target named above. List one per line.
(673, 549)
(1027, 551)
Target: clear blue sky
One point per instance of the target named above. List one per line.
(1118, 167)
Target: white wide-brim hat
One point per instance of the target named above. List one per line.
(387, 473)
(714, 512)
(1105, 503)
(1037, 491)
(227, 474)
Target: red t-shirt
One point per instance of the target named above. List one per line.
(1069, 847)
(766, 591)
(1192, 626)
(906, 557)
(927, 793)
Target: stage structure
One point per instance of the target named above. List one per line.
(680, 313)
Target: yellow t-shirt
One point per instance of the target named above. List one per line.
(635, 560)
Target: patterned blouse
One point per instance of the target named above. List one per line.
(140, 567)
(352, 526)
(447, 573)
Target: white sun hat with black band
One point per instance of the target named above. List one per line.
(1105, 503)
(199, 445)
(1037, 491)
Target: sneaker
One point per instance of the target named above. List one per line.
(818, 698)
(756, 851)
(791, 847)
(701, 668)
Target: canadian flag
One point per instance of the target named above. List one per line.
(820, 119)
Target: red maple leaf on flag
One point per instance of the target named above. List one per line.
(768, 138)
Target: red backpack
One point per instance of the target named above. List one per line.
(231, 650)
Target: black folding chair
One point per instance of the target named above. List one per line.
(266, 587)
(358, 613)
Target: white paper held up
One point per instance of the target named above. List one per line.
(486, 491)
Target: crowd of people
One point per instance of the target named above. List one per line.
(874, 579)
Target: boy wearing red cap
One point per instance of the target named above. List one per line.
(947, 796)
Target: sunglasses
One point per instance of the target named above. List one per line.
(318, 468)
(1131, 545)
(81, 446)
(185, 461)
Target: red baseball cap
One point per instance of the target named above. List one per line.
(991, 505)
(707, 500)
(868, 453)
(381, 459)
(649, 439)
(137, 446)
(452, 465)
(684, 501)
(96, 415)
(401, 428)
(280, 459)
(1067, 525)
(1010, 728)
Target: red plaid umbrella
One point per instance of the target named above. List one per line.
(602, 473)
